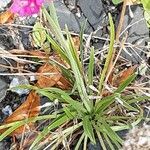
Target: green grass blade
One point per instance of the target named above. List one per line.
(88, 129)
(80, 83)
(109, 55)
(85, 143)
(104, 103)
(10, 130)
(79, 142)
(125, 104)
(91, 67)
(113, 136)
(108, 141)
(74, 65)
(56, 123)
(25, 86)
(54, 28)
(75, 104)
(73, 50)
(57, 48)
(65, 133)
(101, 141)
(22, 122)
(139, 99)
(81, 41)
(68, 112)
(14, 125)
(54, 14)
(50, 96)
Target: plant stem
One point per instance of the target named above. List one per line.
(109, 55)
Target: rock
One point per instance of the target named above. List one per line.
(74, 14)
(4, 4)
(138, 138)
(137, 34)
(7, 110)
(25, 38)
(3, 89)
(66, 17)
(3, 146)
(97, 146)
(6, 40)
(93, 10)
(16, 81)
(3, 62)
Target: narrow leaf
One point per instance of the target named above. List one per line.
(91, 67)
(88, 129)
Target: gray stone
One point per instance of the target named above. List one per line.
(139, 29)
(3, 4)
(66, 17)
(16, 81)
(2, 146)
(137, 34)
(93, 10)
(7, 110)
(3, 89)
(3, 62)
(6, 40)
(74, 14)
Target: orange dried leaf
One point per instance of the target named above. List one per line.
(76, 41)
(37, 53)
(30, 108)
(63, 83)
(117, 80)
(6, 17)
(48, 80)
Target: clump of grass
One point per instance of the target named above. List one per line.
(84, 114)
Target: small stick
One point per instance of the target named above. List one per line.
(121, 20)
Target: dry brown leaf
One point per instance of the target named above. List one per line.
(37, 53)
(76, 41)
(49, 80)
(30, 108)
(55, 79)
(6, 17)
(63, 83)
(117, 80)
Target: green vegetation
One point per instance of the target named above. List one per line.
(84, 114)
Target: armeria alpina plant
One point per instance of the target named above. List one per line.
(85, 115)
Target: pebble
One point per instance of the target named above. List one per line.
(3, 4)
(16, 81)
(7, 110)
(3, 89)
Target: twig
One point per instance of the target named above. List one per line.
(121, 20)
(64, 32)
(27, 74)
